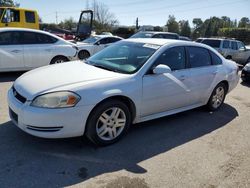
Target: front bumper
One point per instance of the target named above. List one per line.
(48, 123)
(245, 75)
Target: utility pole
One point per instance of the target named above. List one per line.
(56, 18)
(137, 23)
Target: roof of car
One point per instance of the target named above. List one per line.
(106, 36)
(157, 32)
(158, 41)
(30, 30)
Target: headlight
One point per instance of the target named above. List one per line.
(247, 67)
(61, 99)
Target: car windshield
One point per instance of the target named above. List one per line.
(212, 43)
(199, 40)
(91, 40)
(123, 57)
(142, 35)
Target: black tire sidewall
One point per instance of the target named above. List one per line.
(85, 54)
(210, 102)
(58, 58)
(94, 116)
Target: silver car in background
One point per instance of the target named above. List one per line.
(26, 49)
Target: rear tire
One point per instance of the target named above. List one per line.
(58, 59)
(83, 54)
(217, 97)
(108, 122)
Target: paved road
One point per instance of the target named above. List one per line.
(191, 149)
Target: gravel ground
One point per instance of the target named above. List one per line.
(191, 149)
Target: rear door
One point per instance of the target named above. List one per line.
(38, 49)
(11, 51)
(202, 73)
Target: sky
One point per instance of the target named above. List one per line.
(149, 12)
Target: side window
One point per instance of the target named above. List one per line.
(29, 38)
(198, 57)
(30, 17)
(15, 15)
(104, 41)
(226, 44)
(5, 38)
(174, 58)
(114, 39)
(159, 36)
(45, 39)
(241, 45)
(10, 38)
(170, 36)
(216, 60)
(234, 45)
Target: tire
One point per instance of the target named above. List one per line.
(83, 54)
(101, 125)
(217, 97)
(58, 59)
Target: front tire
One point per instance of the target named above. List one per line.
(217, 97)
(108, 122)
(83, 54)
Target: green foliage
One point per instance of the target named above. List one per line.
(8, 3)
(124, 32)
(244, 22)
(185, 29)
(242, 34)
(68, 24)
(172, 24)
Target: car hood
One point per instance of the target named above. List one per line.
(56, 77)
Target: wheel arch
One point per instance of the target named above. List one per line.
(57, 57)
(126, 100)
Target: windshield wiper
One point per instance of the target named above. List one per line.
(103, 67)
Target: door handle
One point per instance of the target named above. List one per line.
(16, 51)
(214, 73)
(182, 77)
(48, 50)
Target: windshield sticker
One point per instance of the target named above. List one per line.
(153, 46)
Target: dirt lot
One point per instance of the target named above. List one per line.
(191, 149)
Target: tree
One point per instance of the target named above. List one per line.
(185, 29)
(8, 3)
(244, 22)
(68, 24)
(104, 20)
(197, 22)
(172, 24)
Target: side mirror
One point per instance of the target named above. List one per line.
(161, 69)
(97, 43)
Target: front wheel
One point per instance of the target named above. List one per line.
(217, 98)
(108, 122)
(59, 59)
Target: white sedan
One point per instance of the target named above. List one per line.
(26, 49)
(94, 44)
(132, 81)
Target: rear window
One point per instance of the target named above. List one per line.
(165, 36)
(30, 17)
(212, 43)
(198, 57)
(142, 35)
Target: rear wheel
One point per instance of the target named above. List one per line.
(83, 54)
(59, 59)
(217, 98)
(108, 122)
